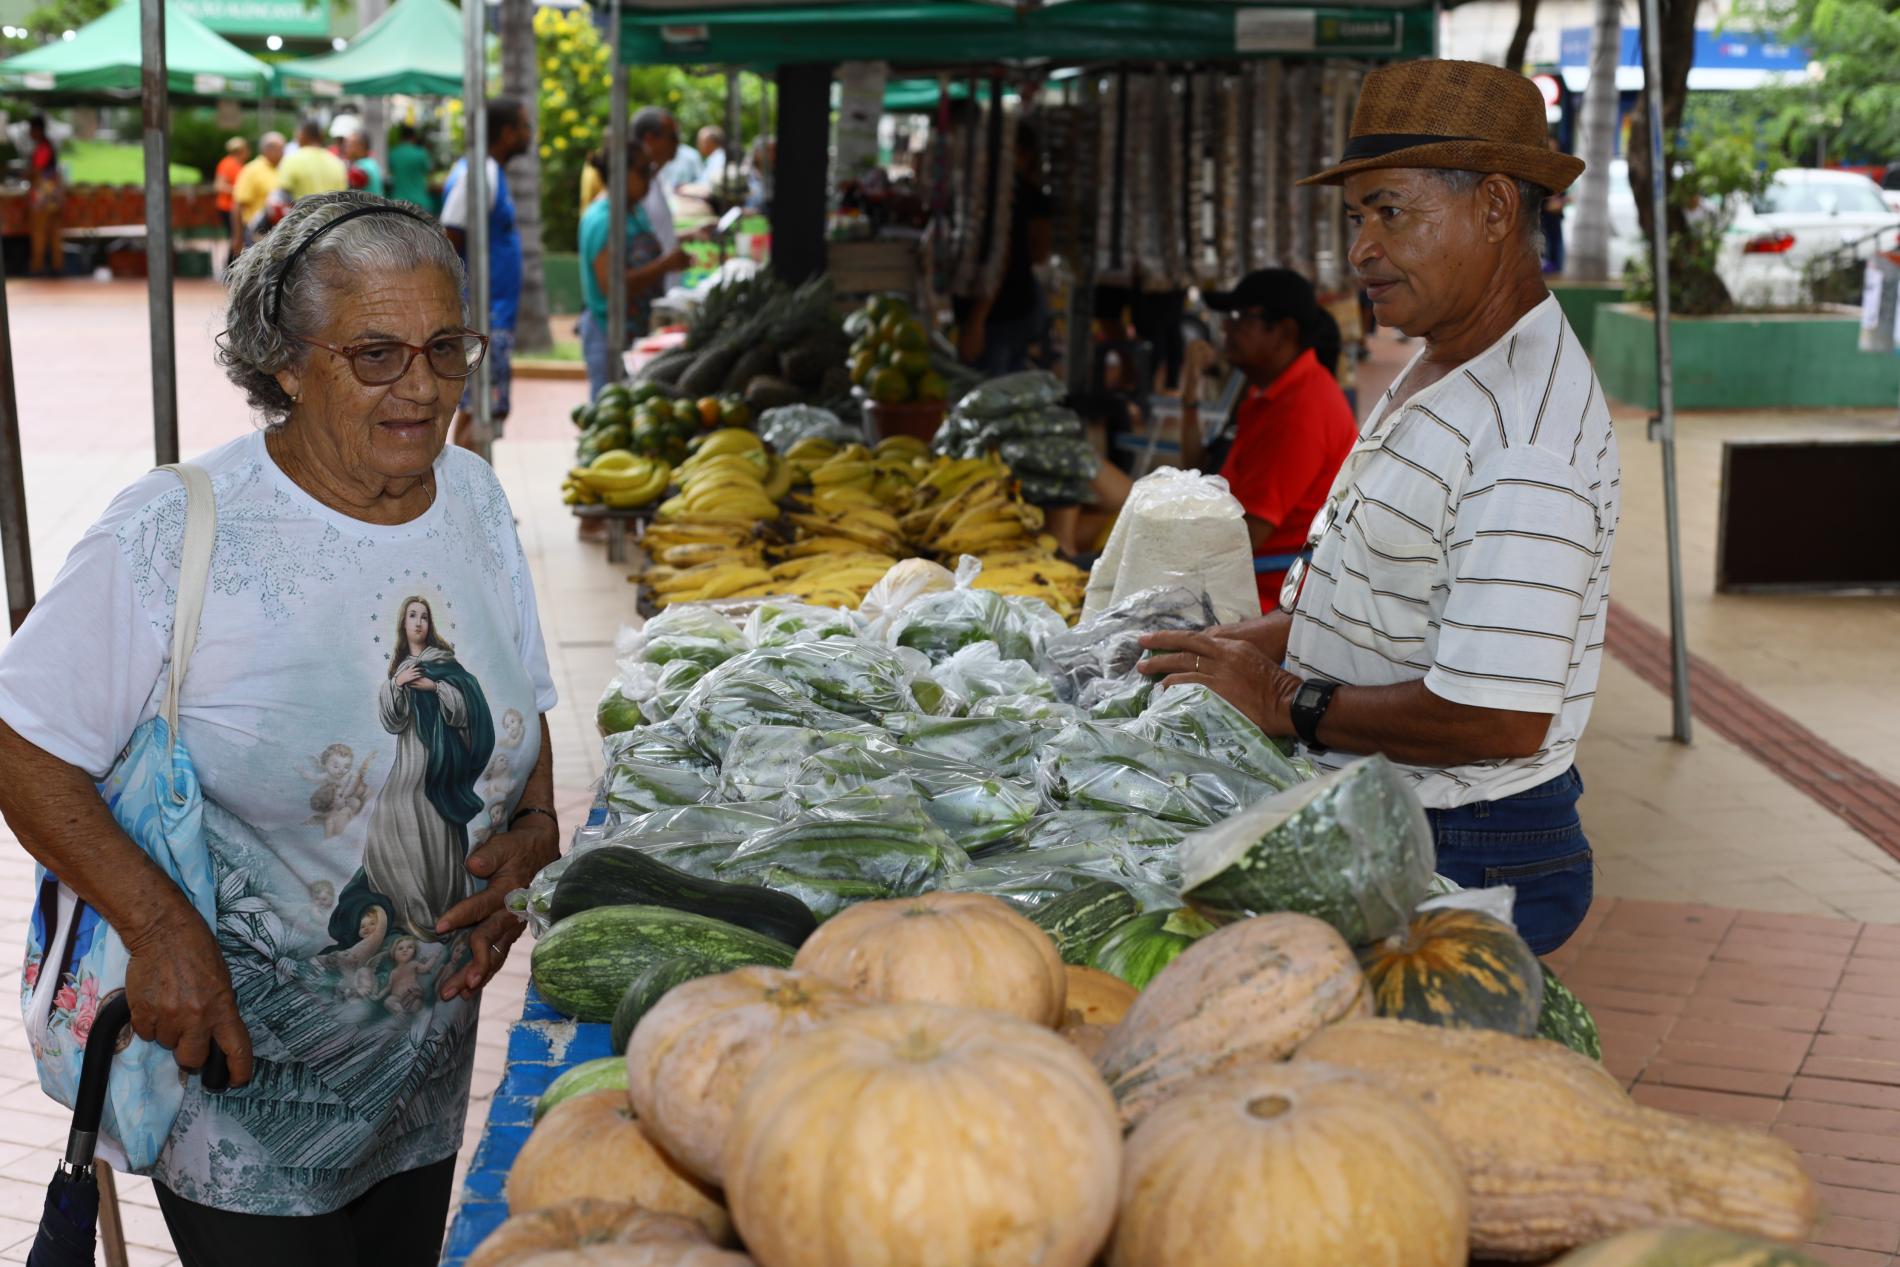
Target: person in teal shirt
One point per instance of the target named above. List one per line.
(409, 167)
(366, 173)
(647, 264)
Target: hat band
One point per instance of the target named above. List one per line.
(1379, 144)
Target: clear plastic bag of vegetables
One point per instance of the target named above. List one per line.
(980, 671)
(907, 581)
(1028, 879)
(620, 708)
(672, 683)
(871, 844)
(788, 424)
(1353, 848)
(977, 808)
(858, 678)
(1026, 392)
(1109, 645)
(1000, 745)
(1040, 710)
(1050, 422)
(1053, 457)
(781, 622)
(685, 632)
(651, 768)
(941, 624)
(1117, 698)
(1096, 765)
(1146, 836)
(735, 696)
(1194, 719)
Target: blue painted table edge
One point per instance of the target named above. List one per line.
(542, 1045)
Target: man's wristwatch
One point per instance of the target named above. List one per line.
(1310, 703)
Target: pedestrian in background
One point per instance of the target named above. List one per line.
(366, 173)
(510, 132)
(409, 167)
(46, 196)
(647, 264)
(237, 152)
(255, 185)
(311, 169)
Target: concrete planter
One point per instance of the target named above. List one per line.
(1749, 361)
(1580, 302)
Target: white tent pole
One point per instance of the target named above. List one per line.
(616, 207)
(475, 232)
(1663, 427)
(155, 100)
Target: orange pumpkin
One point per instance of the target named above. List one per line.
(1293, 1165)
(923, 1136)
(592, 1146)
(1252, 991)
(691, 1056)
(1095, 997)
(962, 949)
(582, 1223)
(1087, 1039)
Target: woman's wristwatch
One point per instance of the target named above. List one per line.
(1310, 703)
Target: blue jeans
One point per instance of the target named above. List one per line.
(1533, 841)
(594, 352)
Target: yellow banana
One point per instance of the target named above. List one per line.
(729, 440)
(839, 471)
(976, 540)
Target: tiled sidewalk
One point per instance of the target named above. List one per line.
(1789, 1023)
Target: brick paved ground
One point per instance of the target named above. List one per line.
(1694, 1001)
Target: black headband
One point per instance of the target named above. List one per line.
(1379, 144)
(290, 262)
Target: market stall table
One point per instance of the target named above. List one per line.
(542, 1045)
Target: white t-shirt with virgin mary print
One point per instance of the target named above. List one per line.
(362, 709)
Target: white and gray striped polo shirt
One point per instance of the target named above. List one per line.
(1471, 548)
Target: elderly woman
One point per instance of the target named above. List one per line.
(369, 628)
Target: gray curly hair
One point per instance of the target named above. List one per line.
(261, 329)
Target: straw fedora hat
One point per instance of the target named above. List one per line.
(1459, 116)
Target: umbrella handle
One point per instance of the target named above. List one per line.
(89, 1105)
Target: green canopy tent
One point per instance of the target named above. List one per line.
(103, 58)
(415, 49)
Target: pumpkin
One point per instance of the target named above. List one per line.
(1557, 1155)
(1685, 1247)
(693, 1053)
(1293, 1165)
(1252, 991)
(1462, 969)
(962, 949)
(592, 1146)
(916, 1134)
(1087, 1039)
(578, 1224)
(1094, 997)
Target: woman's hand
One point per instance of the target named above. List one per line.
(1239, 670)
(181, 995)
(507, 861)
(408, 674)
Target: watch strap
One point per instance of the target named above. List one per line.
(1310, 703)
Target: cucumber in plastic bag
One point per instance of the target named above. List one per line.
(997, 744)
(778, 623)
(1093, 765)
(1195, 719)
(1353, 848)
(1013, 393)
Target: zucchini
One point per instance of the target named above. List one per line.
(1566, 1020)
(586, 962)
(1136, 950)
(650, 986)
(614, 875)
(609, 1073)
(1076, 921)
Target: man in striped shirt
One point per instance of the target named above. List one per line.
(1452, 614)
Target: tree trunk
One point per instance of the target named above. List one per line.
(1678, 53)
(520, 80)
(1589, 246)
(1521, 38)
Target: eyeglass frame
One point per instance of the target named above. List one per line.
(349, 350)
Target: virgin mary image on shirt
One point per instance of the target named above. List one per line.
(418, 834)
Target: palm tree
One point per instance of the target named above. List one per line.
(520, 79)
(1589, 254)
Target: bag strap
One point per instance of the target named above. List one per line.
(201, 532)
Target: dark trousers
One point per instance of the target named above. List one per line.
(1533, 841)
(397, 1223)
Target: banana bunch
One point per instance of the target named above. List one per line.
(730, 476)
(947, 477)
(736, 577)
(1035, 572)
(832, 577)
(984, 515)
(617, 478)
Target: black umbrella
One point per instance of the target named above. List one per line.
(70, 1220)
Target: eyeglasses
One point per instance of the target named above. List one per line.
(1296, 575)
(384, 362)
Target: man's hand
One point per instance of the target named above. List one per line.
(1269, 633)
(507, 861)
(181, 997)
(1239, 670)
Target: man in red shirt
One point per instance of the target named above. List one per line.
(1294, 427)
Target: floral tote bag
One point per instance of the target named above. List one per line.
(75, 961)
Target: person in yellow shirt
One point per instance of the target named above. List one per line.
(258, 181)
(312, 169)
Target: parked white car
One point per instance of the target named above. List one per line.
(1805, 216)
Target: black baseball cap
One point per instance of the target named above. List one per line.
(1276, 293)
